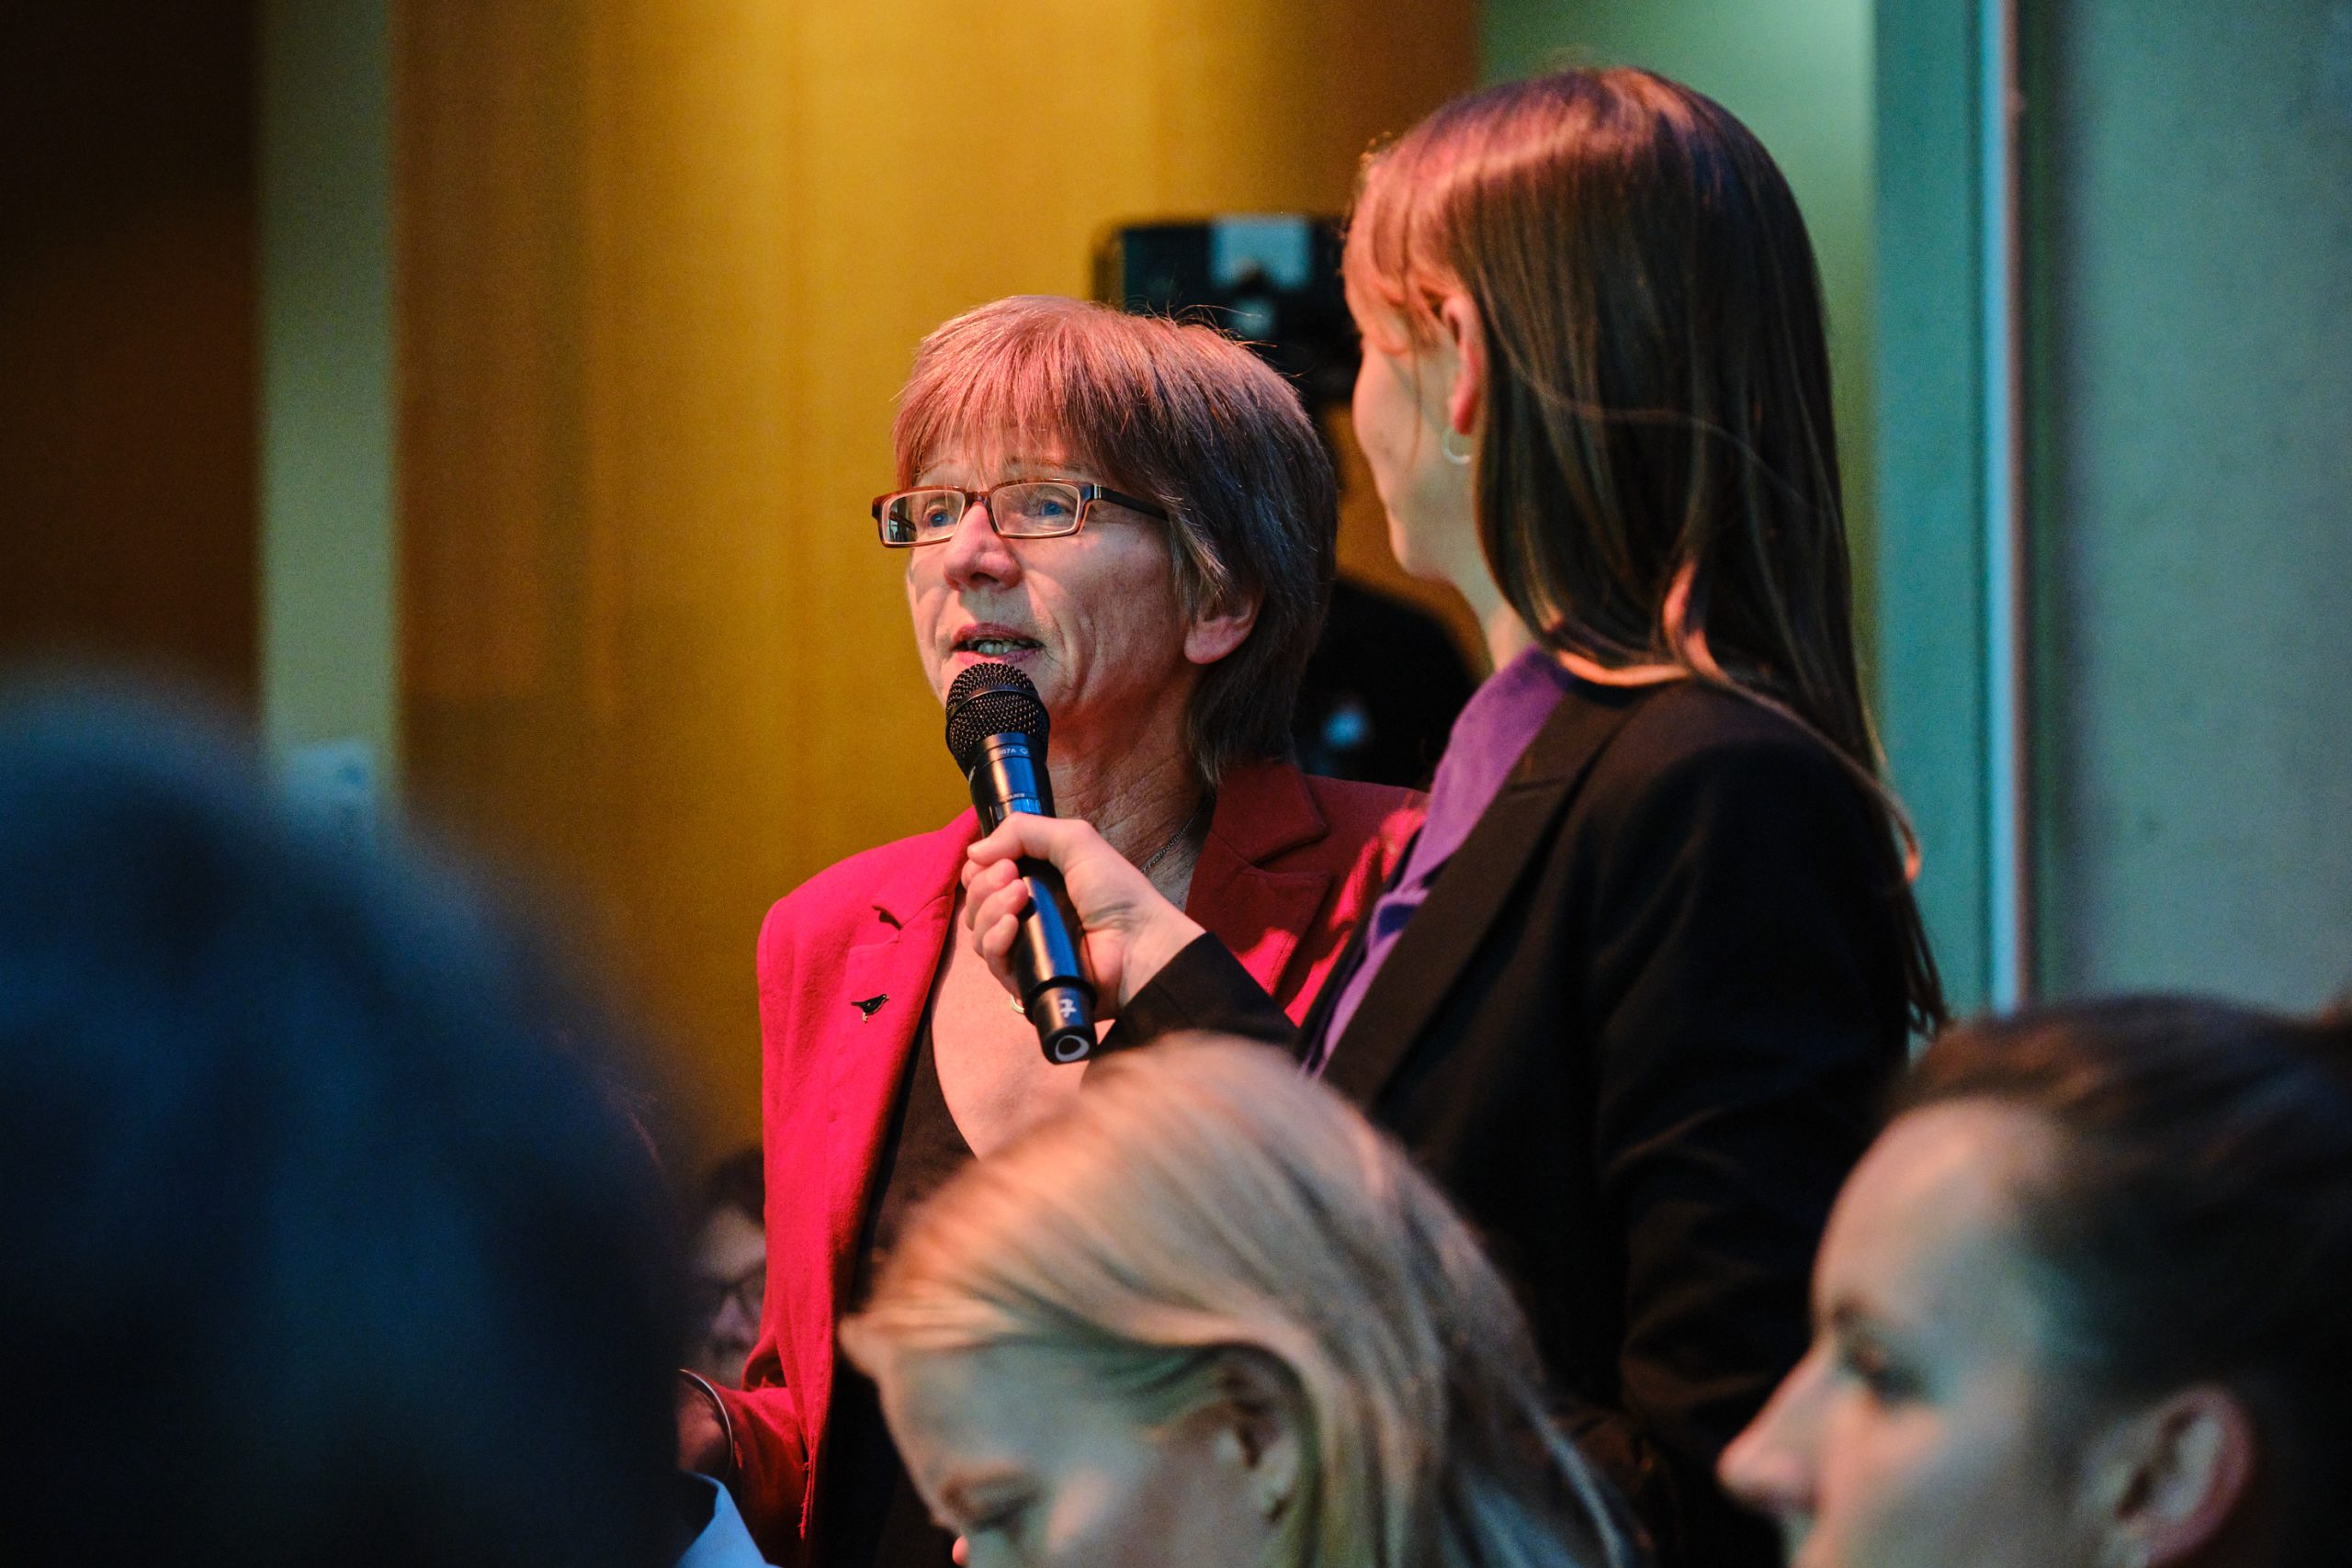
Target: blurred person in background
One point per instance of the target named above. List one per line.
(2083, 1306)
(1634, 996)
(328, 1235)
(729, 1269)
(1207, 1317)
(1137, 515)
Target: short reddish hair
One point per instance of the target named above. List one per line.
(1182, 414)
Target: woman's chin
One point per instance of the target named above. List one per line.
(1415, 563)
(1406, 547)
(1422, 557)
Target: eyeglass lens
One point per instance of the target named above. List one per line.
(704, 1297)
(1036, 509)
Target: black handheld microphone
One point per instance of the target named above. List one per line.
(997, 729)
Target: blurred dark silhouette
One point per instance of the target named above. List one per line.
(329, 1236)
(1271, 279)
(1381, 691)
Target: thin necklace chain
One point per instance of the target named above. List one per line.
(1183, 831)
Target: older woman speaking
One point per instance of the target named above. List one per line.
(1137, 513)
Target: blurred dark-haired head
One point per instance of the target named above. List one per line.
(2083, 1301)
(328, 1232)
(2195, 1219)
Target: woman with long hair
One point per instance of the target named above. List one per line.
(1207, 1316)
(1634, 992)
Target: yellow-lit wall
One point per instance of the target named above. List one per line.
(663, 267)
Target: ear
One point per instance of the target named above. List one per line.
(1218, 631)
(1465, 404)
(2172, 1476)
(1259, 1419)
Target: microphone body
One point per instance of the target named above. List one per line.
(1000, 745)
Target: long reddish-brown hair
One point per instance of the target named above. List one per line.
(1657, 464)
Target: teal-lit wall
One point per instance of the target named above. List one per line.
(1929, 563)
(329, 663)
(2190, 315)
(1799, 73)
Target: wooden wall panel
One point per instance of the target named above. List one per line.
(127, 331)
(664, 267)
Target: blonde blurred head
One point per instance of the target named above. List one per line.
(1201, 1202)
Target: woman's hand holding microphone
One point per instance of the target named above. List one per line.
(1131, 930)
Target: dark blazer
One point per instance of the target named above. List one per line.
(1638, 1032)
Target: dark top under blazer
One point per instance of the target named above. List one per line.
(1638, 1032)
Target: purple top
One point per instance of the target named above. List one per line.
(1495, 727)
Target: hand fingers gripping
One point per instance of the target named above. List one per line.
(1061, 840)
(996, 917)
(1103, 886)
(982, 883)
(1121, 911)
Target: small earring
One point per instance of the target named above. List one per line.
(1445, 444)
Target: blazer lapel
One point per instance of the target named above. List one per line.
(1258, 913)
(1313, 1030)
(883, 988)
(1471, 889)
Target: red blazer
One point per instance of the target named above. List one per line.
(846, 963)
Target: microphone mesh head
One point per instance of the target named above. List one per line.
(993, 699)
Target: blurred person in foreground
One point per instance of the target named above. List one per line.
(1139, 515)
(2084, 1306)
(327, 1239)
(1207, 1317)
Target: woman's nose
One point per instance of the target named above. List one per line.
(976, 553)
(1769, 1466)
